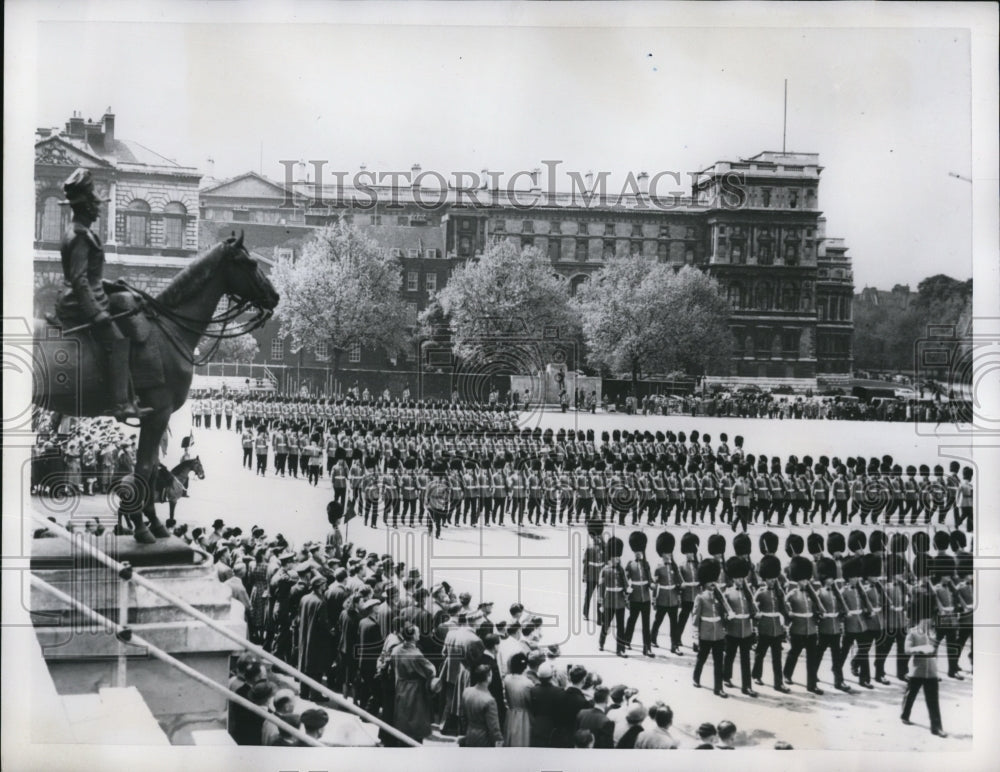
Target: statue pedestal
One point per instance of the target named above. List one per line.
(82, 656)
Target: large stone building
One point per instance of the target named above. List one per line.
(150, 224)
(753, 224)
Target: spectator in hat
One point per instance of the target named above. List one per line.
(215, 536)
(480, 710)
(245, 726)
(633, 719)
(546, 702)
(315, 637)
(536, 659)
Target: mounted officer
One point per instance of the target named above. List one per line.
(85, 299)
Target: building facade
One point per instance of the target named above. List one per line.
(753, 224)
(149, 225)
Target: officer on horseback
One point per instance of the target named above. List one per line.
(85, 299)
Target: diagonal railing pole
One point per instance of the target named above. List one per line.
(183, 605)
(137, 640)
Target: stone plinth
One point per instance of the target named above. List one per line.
(83, 657)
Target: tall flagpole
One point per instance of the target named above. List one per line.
(784, 125)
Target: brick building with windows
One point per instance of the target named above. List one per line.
(150, 224)
(762, 237)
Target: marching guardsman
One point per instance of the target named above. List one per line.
(292, 440)
(611, 592)
(593, 562)
(584, 495)
(840, 490)
(599, 486)
(911, 494)
(372, 494)
(690, 485)
(942, 574)
(658, 506)
(832, 612)
(339, 476)
(779, 492)
(964, 599)
(708, 618)
(638, 576)
(836, 545)
(803, 630)
(741, 500)
(855, 630)
(498, 490)
(761, 485)
(408, 491)
(484, 484)
(246, 439)
(771, 611)
(667, 587)
(566, 487)
(966, 494)
(871, 599)
(675, 496)
(709, 494)
(280, 444)
(894, 605)
(689, 579)
(717, 552)
(741, 614)
(535, 493)
(742, 546)
(260, 448)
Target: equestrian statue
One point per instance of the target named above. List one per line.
(111, 349)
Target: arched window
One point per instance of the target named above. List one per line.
(174, 222)
(733, 294)
(53, 219)
(137, 224)
(576, 282)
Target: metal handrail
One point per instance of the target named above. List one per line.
(137, 640)
(128, 573)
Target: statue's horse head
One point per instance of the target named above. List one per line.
(244, 278)
(197, 468)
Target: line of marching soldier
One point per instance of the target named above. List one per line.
(847, 599)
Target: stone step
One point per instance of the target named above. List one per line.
(113, 716)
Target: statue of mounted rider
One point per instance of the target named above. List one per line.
(112, 349)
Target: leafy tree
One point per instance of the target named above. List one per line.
(508, 292)
(640, 316)
(344, 290)
(242, 349)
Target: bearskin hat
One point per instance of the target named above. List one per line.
(716, 544)
(824, 461)
(876, 542)
(938, 470)
(690, 543)
(770, 567)
(723, 437)
(794, 544)
(706, 438)
(942, 540)
(682, 437)
(826, 568)
(536, 465)
(660, 437)
(911, 469)
(595, 527)
(941, 567)
(768, 542)
(897, 470)
(615, 547)
(739, 441)
(605, 437)
(750, 459)
(590, 435)
(967, 473)
(800, 569)
(665, 543)
(741, 544)
(807, 461)
(921, 565)
(920, 542)
(835, 542)
(369, 462)
(898, 543)
(958, 541)
(737, 567)
(709, 571)
(871, 565)
(626, 435)
(637, 541)
(814, 543)
(694, 435)
(851, 568)
(895, 565)
(963, 564)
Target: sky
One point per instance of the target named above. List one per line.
(888, 110)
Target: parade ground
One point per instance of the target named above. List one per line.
(539, 566)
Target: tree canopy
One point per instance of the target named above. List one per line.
(342, 290)
(508, 292)
(640, 316)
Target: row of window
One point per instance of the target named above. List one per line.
(54, 219)
(322, 351)
(834, 309)
(413, 281)
(763, 342)
(555, 229)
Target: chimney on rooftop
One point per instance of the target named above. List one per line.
(108, 127)
(74, 126)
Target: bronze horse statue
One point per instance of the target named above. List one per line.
(70, 379)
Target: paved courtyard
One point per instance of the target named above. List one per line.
(540, 567)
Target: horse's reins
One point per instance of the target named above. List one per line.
(236, 309)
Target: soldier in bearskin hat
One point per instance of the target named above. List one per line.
(941, 572)
(593, 562)
(709, 624)
(771, 610)
(741, 615)
(667, 586)
(831, 608)
(855, 608)
(689, 578)
(893, 610)
(638, 589)
(803, 610)
(964, 599)
(611, 592)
